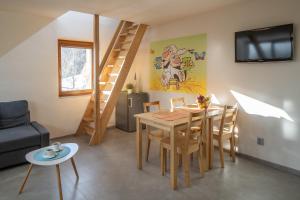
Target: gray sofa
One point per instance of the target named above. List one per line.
(18, 135)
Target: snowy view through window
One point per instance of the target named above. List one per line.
(76, 69)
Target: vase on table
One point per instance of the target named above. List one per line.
(202, 105)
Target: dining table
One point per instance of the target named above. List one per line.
(172, 121)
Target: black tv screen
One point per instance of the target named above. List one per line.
(265, 44)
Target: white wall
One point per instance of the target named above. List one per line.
(16, 27)
(29, 71)
(275, 83)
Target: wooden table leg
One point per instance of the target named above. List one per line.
(25, 180)
(173, 164)
(139, 143)
(74, 167)
(59, 182)
(211, 142)
(205, 149)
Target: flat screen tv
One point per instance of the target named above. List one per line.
(265, 44)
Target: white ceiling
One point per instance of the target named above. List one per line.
(146, 11)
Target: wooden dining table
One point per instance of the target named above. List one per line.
(171, 122)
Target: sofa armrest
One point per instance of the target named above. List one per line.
(44, 133)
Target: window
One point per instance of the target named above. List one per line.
(75, 67)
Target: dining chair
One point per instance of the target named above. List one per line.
(187, 145)
(226, 131)
(152, 135)
(177, 102)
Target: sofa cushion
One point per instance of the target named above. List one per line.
(14, 113)
(18, 137)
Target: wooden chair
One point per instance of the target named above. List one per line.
(186, 145)
(177, 102)
(226, 131)
(152, 134)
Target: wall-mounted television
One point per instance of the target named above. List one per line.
(265, 44)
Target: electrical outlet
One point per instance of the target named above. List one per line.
(260, 141)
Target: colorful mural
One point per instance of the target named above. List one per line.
(179, 65)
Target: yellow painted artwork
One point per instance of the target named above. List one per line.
(179, 65)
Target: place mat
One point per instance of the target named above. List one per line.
(39, 154)
(192, 108)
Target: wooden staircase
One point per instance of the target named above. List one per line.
(110, 77)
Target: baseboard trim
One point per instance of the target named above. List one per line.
(270, 164)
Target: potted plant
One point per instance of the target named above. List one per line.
(202, 101)
(129, 88)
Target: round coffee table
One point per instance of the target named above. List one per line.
(30, 158)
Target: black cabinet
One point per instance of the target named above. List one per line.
(127, 106)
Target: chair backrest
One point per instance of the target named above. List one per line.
(177, 102)
(196, 116)
(229, 117)
(148, 105)
(232, 119)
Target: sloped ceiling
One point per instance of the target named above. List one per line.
(16, 27)
(150, 12)
(19, 19)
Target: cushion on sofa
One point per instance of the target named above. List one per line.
(14, 113)
(19, 137)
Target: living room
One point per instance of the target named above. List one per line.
(267, 164)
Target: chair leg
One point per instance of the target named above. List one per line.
(180, 160)
(166, 152)
(232, 151)
(186, 168)
(169, 156)
(201, 161)
(162, 160)
(221, 151)
(148, 148)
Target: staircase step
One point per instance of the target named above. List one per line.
(88, 119)
(127, 34)
(106, 87)
(111, 66)
(106, 83)
(106, 92)
(133, 27)
(121, 57)
(89, 130)
(113, 74)
(126, 42)
(102, 105)
(120, 49)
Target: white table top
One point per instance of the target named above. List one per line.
(73, 147)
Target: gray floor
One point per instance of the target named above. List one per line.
(109, 172)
